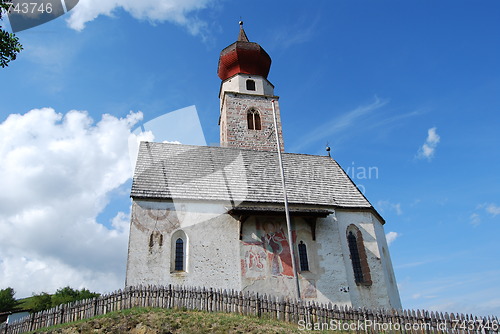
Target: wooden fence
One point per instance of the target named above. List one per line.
(307, 315)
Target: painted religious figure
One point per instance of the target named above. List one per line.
(275, 242)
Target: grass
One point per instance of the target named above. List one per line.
(173, 321)
(24, 304)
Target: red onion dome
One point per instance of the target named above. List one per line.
(243, 57)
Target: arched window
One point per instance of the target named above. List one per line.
(304, 263)
(179, 255)
(179, 252)
(250, 84)
(358, 257)
(253, 119)
(356, 260)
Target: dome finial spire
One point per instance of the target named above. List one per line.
(242, 37)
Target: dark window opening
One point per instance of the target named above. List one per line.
(253, 119)
(250, 121)
(304, 263)
(179, 254)
(355, 258)
(250, 84)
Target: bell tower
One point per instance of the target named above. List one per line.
(246, 114)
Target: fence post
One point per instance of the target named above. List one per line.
(32, 321)
(257, 305)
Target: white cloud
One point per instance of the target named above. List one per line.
(154, 11)
(391, 236)
(490, 208)
(478, 292)
(429, 147)
(475, 219)
(339, 124)
(299, 32)
(57, 173)
(493, 209)
(386, 205)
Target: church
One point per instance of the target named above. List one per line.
(208, 216)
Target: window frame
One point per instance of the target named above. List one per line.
(303, 258)
(253, 119)
(177, 254)
(357, 253)
(250, 85)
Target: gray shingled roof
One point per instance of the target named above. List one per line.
(172, 171)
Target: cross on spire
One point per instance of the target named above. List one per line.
(242, 37)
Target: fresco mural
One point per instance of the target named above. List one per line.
(266, 263)
(268, 254)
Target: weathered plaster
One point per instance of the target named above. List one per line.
(260, 261)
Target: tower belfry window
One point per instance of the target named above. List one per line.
(253, 120)
(250, 84)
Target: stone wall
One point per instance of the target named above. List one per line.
(234, 130)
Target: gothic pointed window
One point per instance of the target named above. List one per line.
(304, 263)
(253, 120)
(179, 255)
(358, 257)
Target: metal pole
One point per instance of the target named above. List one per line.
(285, 199)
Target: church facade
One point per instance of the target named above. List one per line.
(214, 216)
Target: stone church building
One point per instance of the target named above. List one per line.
(214, 216)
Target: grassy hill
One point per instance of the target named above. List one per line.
(165, 321)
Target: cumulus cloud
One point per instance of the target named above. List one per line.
(155, 11)
(391, 236)
(57, 173)
(428, 149)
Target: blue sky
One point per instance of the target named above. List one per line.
(408, 90)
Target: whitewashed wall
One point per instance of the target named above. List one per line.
(212, 245)
(217, 258)
(381, 293)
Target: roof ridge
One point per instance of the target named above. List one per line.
(239, 149)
